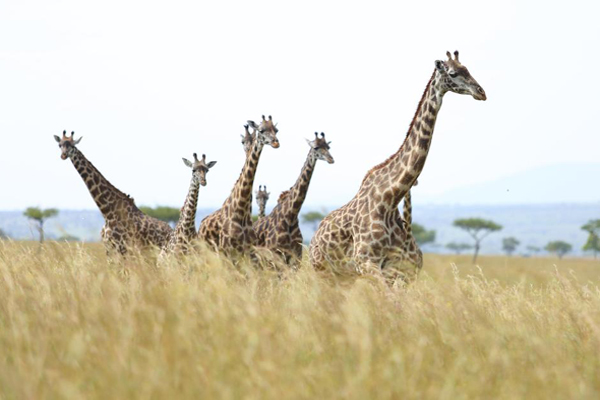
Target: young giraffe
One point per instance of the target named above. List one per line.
(125, 225)
(279, 231)
(368, 231)
(262, 196)
(185, 230)
(230, 227)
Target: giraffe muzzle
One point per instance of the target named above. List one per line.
(479, 94)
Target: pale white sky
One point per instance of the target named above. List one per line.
(147, 83)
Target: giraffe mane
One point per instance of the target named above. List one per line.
(283, 195)
(384, 163)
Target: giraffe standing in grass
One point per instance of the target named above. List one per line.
(185, 231)
(230, 227)
(262, 197)
(125, 225)
(280, 231)
(367, 234)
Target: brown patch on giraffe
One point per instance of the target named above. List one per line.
(406, 179)
(420, 162)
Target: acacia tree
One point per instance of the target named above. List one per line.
(458, 247)
(478, 229)
(422, 235)
(40, 216)
(559, 247)
(509, 245)
(313, 218)
(163, 213)
(593, 241)
(533, 249)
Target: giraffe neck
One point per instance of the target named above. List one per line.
(240, 199)
(392, 179)
(300, 188)
(261, 209)
(186, 226)
(105, 195)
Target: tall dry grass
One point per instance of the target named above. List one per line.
(74, 326)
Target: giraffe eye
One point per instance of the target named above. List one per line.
(453, 74)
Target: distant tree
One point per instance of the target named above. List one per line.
(592, 244)
(559, 247)
(478, 229)
(458, 247)
(163, 213)
(68, 238)
(593, 241)
(3, 235)
(533, 249)
(40, 216)
(313, 218)
(509, 245)
(254, 218)
(422, 235)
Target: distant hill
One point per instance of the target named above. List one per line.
(532, 224)
(568, 183)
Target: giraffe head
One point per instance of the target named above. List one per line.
(199, 168)
(66, 144)
(456, 78)
(266, 132)
(320, 148)
(248, 139)
(262, 196)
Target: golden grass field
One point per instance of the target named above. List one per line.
(74, 326)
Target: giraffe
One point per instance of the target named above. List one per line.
(262, 196)
(409, 247)
(125, 225)
(248, 140)
(279, 231)
(367, 233)
(230, 227)
(185, 230)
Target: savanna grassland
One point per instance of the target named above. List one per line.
(74, 326)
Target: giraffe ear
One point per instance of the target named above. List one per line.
(211, 164)
(188, 163)
(57, 138)
(440, 66)
(311, 144)
(252, 124)
(77, 141)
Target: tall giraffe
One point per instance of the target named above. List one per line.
(262, 196)
(279, 231)
(230, 227)
(367, 230)
(125, 225)
(185, 230)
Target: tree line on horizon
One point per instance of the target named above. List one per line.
(477, 228)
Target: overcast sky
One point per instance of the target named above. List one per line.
(147, 83)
